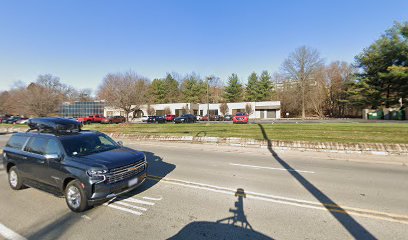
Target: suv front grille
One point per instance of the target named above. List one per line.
(125, 172)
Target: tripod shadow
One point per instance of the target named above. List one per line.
(347, 221)
(239, 217)
(234, 227)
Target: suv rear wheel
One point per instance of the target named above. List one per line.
(75, 197)
(15, 181)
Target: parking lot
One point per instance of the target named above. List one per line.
(213, 192)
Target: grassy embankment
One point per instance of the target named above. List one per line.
(333, 132)
(330, 132)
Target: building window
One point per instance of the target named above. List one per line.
(82, 109)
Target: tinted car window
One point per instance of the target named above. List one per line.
(37, 145)
(17, 142)
(81, 145)
(52, 147)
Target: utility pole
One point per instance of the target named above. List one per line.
(208, 98)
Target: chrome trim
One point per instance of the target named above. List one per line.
(125, 172)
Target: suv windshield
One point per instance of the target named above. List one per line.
(81, 145)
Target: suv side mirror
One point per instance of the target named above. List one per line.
(120, 143)
(54, 157)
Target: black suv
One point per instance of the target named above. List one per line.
(86, 167)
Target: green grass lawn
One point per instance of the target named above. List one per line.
(329, 132)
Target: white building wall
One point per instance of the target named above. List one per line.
(241, 105)
(258, 108)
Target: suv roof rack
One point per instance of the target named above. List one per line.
(54, 125)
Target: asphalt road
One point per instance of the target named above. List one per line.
(213, 192)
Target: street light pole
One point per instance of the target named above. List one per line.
(208, 99)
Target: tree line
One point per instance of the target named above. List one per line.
(305, 85)
(42, 97)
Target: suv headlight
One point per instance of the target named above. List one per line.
(94, 173)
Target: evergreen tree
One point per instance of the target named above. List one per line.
(264, 87)
(384, 66)
(193, 89)
(233, 90)
(251, 90)
(157, 91)
(172, 89)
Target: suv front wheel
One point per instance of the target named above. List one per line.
(75, 197)
(15, 180)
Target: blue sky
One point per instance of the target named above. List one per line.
(82, 41)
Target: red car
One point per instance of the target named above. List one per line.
(170, 117)
(114, 119)
(91, 119)
(240, 118)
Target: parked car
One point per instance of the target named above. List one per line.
(217, 118)
(22, 121)
(3, 118)
(240, 118)
(170, 117)
(85, 167)
(91, 119)
(228, 117)
(199, 118)
(144, 118)
(212, 118)
(156, 119)
(114, 119)
(186, 118)
(12, 120)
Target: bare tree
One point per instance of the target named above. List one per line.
(318, 98)
(186, 109)
(224, 108)
(339, 77)
(44, 97)
(167, 110)
(248, 108)
(150, 110)
(124, 90)
(300, 67)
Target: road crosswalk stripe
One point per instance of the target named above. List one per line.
(153, 199)
(131, 206)
(124, 209)
(134, 200)
(10, 234)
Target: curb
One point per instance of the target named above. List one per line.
(360, 148)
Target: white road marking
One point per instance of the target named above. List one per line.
(86, 217)
(294, 202)
(271, 168)
(153, 199)
(127, 204)
(124, 209)
(131, 206)
(10, 234)
(134, 200)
